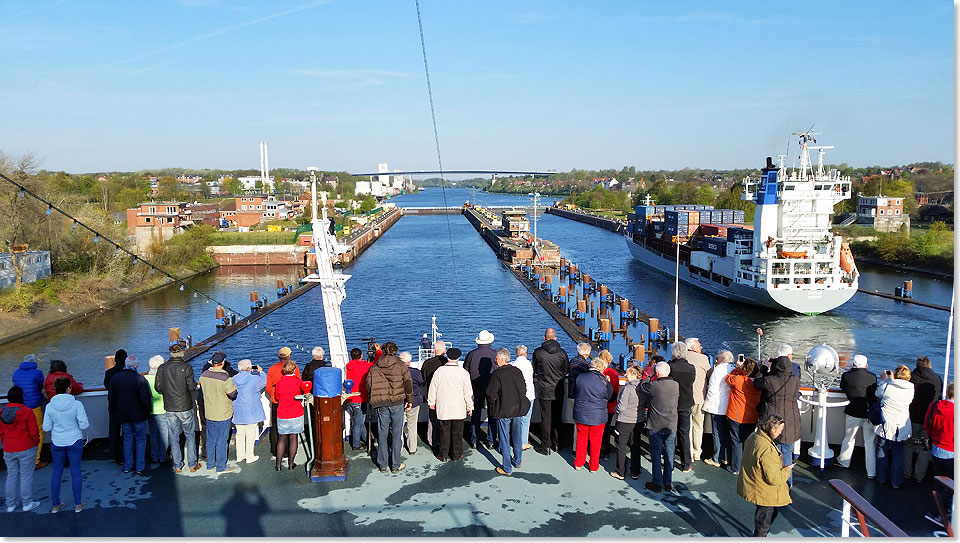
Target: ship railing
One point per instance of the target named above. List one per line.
(866, 513)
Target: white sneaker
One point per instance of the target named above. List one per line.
(252, 459)
(11, 508)
(30, 506)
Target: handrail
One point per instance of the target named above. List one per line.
(947, 483)
(865, 512)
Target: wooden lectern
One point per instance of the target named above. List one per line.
(328, 461)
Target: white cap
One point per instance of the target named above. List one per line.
(859, 361)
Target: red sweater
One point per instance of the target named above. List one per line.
(273, 376)
(939, 424)
(357, 371)
(615, 381)
(76, 388)
(288, 387)
(22, 433)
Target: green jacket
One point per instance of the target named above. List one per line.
(156, 396)
(218, 394)
(763, 477)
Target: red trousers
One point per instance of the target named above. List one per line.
(588, 436)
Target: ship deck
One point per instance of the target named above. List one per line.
(545, 497)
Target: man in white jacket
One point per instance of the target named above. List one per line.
(451, 397)
(526, 367)
(715, 403)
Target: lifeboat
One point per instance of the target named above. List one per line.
(793, 254)
(846, 259)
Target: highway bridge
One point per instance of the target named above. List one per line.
(457, 172)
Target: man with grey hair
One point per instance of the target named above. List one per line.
(701, 364)
(159, 438)
(129, 394)
(507, 402)
(429, 367)
(859, 384)
(658, 409)
(685, 375)
(550, 365)
(715, 403)
(411, 415)
(317, 361)
(526, 368)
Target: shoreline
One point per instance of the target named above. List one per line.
(940, 274)
(89, 310)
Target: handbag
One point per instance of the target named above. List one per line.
(875, 414)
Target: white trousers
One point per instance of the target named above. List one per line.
(696, 430)
(851, 426)
(246, 437)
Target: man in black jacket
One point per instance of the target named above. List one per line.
(113, 441)
(859, 384)
(507, 403)
(481, 362)
(429, 367)
(779, 392)
(130, 401)
(176, 384)
(317, 361)
(927, 387)
(550, 365)
(684, 373)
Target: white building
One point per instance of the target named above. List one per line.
(35, 266)
(275, 210)
(249, 183)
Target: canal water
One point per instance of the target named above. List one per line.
(439, 265)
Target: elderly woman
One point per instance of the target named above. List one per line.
(763, 477)
(625, 421)
(289, 413)
(159, 430)
(895, 394)
(248, 410)
(593, 391)
(741, 410)
(715, 403)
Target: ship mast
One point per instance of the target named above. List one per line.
(331, 283)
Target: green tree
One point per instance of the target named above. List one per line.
(232, 186)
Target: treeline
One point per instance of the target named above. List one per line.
(932, 248)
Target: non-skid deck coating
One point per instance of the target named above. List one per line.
(544, 498)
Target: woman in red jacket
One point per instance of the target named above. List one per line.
(58, 368)
(20, 437)
(939, 426)
(289, 413)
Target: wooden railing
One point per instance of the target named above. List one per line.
(946, 483)
(865, 513)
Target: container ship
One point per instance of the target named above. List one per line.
(787, 260)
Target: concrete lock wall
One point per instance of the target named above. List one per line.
(36, 267)
(258, 255)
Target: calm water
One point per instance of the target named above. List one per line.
(438, 265)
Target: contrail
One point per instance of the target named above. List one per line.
(216, 33)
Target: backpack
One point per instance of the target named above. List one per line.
(875, 414)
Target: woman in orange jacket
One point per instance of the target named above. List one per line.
(741, 410)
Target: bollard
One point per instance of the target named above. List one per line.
(109, 362)
(624, 309)
(189, 341)
(639, 353)
(654, 328)
(604, 330)
(174, 334)
(221, 314)
(604, 291)
(254, 301)
(581, 310)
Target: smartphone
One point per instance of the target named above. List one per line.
(740, 358)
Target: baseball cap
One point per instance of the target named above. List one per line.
(284, 352)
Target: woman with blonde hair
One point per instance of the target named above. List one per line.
(895, 394)
(625, 421)
(593, 391)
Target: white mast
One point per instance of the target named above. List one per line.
(331, 284)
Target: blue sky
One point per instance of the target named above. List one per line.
(103, 86)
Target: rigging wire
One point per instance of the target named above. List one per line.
(137, 259)
(436, 139)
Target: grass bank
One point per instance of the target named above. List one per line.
(928, 249)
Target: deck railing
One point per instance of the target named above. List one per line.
(865, 513)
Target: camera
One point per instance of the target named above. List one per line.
(740, 359)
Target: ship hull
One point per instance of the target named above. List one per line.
(798, 301)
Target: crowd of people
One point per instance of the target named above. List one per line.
(661, 407)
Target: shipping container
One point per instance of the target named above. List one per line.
(657, 227)
(708, 230)
(716, 246)
(737, 233)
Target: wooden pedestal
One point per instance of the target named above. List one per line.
(329, 463)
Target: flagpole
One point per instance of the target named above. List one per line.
(676, 298)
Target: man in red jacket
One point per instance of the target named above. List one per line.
(356, 406)
(939, 426)
(20, 437)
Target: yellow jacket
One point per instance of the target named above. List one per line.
(763, 477)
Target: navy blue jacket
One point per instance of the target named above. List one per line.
(480, 362)
(129, 397)
(578, 365)
(418, 384)
(590, 402)
(30, 379)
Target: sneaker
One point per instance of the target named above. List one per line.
(934, 518)
(502, 471)
(527, 447)
(231, 469)
(252, 459)
(634, 477)
(616, 475)
(11, 508)
(383, 470)
(56, 508)
(399, 468)
(79, 507)
(711, 462)
(687, 469)
(29, 506)
(578, 468)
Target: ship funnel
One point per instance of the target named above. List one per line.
(770, 165)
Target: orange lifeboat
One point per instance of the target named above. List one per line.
(846, 258)
(793, 254)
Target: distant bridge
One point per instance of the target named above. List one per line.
(454, 210)
(456, 172)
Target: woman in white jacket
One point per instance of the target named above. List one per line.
(451, 395)
(65, 419)
(895, 394)
(715, 403)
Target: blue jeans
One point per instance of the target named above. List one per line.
(182, 422)
(60, 454)
(510, 435)
(890, 461)
(134, 445)
(358, 431)
(738, 432)
(721, 439)
(786, 449)
(389, 419)
(525, 426)
(662, 445)
(159, 437)
(218, 438)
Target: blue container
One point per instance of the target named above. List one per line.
(328, 382)
(657, 226)
(716, 246)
